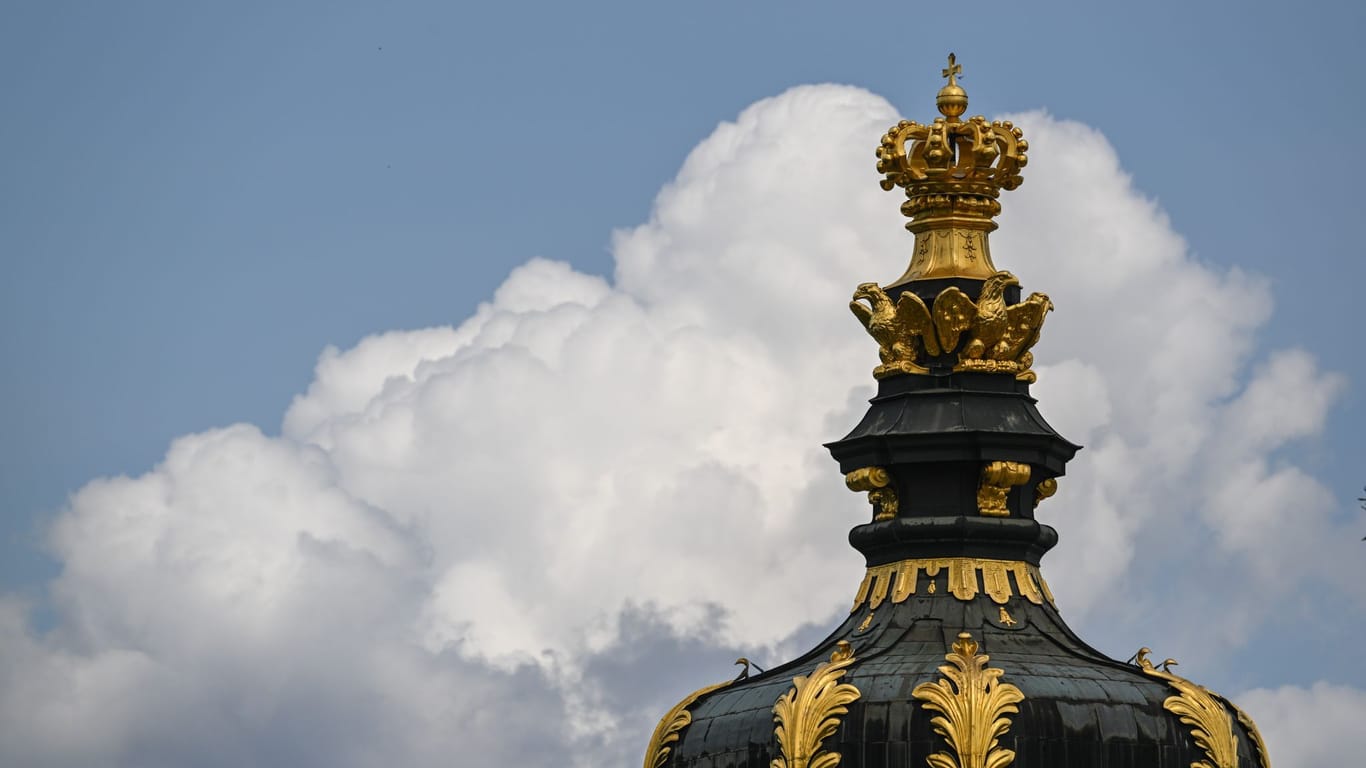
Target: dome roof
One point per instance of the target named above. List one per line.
(933, 678)
(954, 655)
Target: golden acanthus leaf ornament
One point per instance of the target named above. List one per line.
(974, 708)
(1199, 708)
(1263, 758)
(1254, 735)
(810, 713)
(672, 724)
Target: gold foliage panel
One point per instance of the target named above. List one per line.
(810, 713)
(671, 726)
(974, 708)
(1200, 709)
(898, 581)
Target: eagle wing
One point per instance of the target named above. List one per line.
(872, 294)
(953, 314)
(862, 312)
(913, 318)
(1026, 323)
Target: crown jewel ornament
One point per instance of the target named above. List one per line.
(953, 171)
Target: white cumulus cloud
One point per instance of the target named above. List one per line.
(1317, 726)
(458, 528)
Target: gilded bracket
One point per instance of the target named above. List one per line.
(898, 581)
(878, 483)
(1199, 708)
(974, 708)
(998, 477)
(671, 726)
(810, 713)
(1044, 489)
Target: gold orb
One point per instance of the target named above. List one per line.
(952, 101)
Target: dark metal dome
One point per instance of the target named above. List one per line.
(954, 655)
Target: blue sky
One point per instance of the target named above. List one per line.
(198, 200)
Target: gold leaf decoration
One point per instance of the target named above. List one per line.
(1044, 489)
(1255, 735)
(876, 481)
(671, 727)
(998, 477)
(867, 622)
(1263, 759)
(974, 708)
(1199, 708)
(810, 713)
(900, 580)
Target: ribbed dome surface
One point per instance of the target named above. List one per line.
(954, 655)
(1079, 709)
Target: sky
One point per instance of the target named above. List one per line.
(387, 381)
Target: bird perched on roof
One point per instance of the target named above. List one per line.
(744, 673)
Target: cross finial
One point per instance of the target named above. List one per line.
(952, 70)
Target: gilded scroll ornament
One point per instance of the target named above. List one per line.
(998, 477)
(810, 713)
(1044, 489)
(1199, 708)
(884, 503)
(671, 726)
(966, 577)
(974, 708)
(877, 482)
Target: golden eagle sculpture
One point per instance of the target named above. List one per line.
(999, 336)
(895, 328)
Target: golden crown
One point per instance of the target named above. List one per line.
(953, 171)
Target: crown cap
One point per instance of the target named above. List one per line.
(953, 171)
